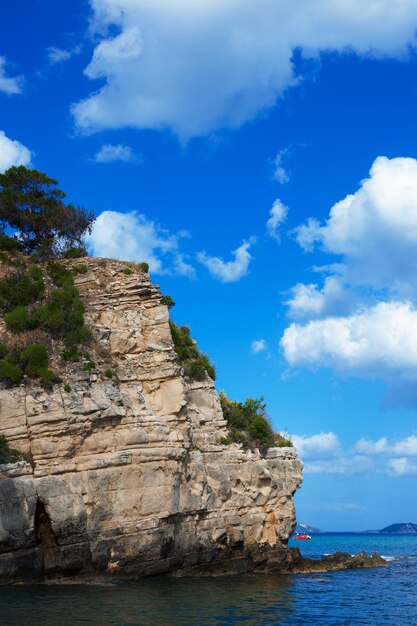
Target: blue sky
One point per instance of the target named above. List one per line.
(264, 160)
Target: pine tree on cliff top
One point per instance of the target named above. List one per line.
(33, 206)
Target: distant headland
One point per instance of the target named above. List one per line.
(401, 528)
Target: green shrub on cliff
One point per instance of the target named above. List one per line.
(10, 374)
(61, 276)
(34, 359)
(31, 361)
(11, 244)
(18, 320)
(21, 289)
(249, 425)
(168, 301)
(60, 314)
(196, 364)
(48, 378)
(75, 253)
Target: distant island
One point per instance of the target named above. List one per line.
(402, 528)
(305, 528)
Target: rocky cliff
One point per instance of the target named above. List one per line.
(126, 475)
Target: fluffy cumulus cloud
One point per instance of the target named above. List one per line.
(324, 454)
(133, 237)
(12, 153)
(8, 84)
(400, 447)
(362, 321)
(109, 153)
(309, 301)
(378, 342)
(374, 230)
(322, 444)
(195, 67)
(277, 216)
(228, 271)
(401, 467)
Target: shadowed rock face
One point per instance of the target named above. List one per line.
(129, 478)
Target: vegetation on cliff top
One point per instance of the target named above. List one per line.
(32, 360)
(34, 296)
(32, 205)
(196, 364)
(26, 305)
(249, 424)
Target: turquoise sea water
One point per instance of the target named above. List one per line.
(374, 596)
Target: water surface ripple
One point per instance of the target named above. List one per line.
(374, 596)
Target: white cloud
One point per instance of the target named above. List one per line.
(280, 174)
(278, 215)
(181, 267)
(307, 234)
(372, 447)
(324, 454)
(110, 153)
(9, 85)
(59, 55)
(316, 446)
(133, 237)
(309, 301)
(12, 153)
(197, 67)
(228, 271)
(374, 229)
(382, 446)
(377, 342)
(363, 320)
(401, 467)
(345, 465)
(259, 345)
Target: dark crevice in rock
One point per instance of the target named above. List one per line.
(45, 537)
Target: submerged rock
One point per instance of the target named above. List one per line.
(336, 561)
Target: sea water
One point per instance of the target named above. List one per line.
(370, 596)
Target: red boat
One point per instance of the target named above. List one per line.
(302, 536)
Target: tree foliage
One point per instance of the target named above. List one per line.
(248, 424)
(33, 205)
(196, 364)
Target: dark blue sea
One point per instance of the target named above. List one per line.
(373, 596)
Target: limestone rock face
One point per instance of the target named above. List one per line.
(127, 474)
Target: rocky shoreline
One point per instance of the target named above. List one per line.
(282, 561)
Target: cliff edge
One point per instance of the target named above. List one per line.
(126, 473)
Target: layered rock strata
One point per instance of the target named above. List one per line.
(127, 475)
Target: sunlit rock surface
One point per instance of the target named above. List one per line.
(127, 475)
